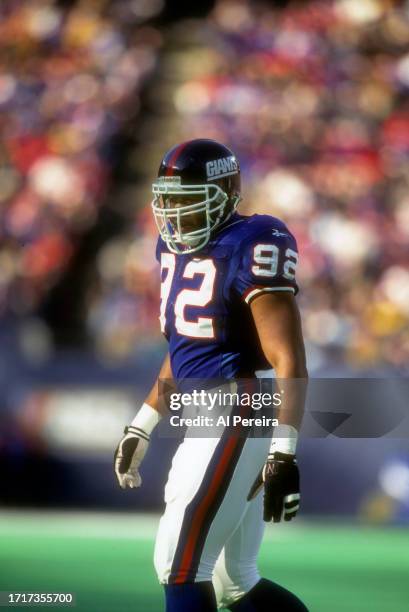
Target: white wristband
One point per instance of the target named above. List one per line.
(284, 440)
(146, 419)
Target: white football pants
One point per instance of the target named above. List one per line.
(209, 531)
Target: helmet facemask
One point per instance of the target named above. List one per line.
(186, 228)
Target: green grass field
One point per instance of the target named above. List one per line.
(107, 561)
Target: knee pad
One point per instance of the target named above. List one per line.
(232, 580)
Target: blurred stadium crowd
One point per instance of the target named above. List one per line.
(70, 78)
(312, 98)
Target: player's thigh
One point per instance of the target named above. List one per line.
(185, 477)
(189, 465)
(242, 548)
(236, 570)
(203, 512)
(234, 509)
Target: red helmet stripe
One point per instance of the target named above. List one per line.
(174, 158)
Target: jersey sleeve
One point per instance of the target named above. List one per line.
(267, 263)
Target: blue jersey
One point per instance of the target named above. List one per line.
(205, 296)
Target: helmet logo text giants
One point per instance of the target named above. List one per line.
(218, 168)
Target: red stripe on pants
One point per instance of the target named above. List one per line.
(200, 514)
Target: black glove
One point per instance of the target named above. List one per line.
(281, 481)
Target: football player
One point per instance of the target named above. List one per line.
(228, 309)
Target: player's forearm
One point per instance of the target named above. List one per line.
(292, 378)
(285, 352)
(134, 444)
(293, 392)
(154, 397)
(278, 323)
(154, 406)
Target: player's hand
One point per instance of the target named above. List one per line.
(128, 456)
(281, 481)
